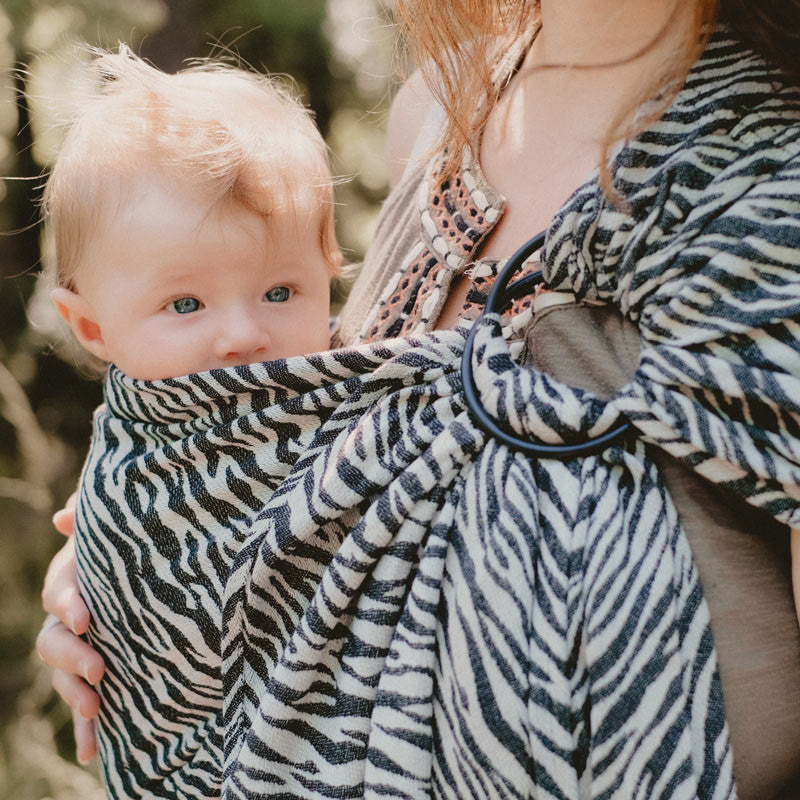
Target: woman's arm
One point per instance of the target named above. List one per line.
(75, 664)
(410, 107)
(796, 570)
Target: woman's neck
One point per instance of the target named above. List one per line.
(598, 32)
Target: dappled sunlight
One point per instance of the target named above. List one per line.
(50, 27)
(34, 767)
(362, 38)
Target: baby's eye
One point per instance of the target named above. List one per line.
(185, 305)
(279, 294)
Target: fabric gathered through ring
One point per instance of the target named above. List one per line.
(500, 295)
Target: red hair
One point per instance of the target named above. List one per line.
(456, 44)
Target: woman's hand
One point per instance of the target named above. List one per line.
(75, 664)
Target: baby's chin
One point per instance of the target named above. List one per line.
(179, 371)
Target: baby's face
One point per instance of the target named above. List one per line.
(179, 286)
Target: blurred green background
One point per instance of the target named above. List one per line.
(341, 55)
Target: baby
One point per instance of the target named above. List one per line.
(193, 222)
(193, 219)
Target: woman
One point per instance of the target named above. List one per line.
(566, 82)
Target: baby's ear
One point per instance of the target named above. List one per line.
(81, 318)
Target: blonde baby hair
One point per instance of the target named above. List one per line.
(225, 132)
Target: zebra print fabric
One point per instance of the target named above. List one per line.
(317, 578)
(176, 472)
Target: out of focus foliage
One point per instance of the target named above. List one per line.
(340, 53)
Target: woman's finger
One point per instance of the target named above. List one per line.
(77, 694)
(67, 653)
(85, 704)
(85, 739)
(60, 595)
(64, 519)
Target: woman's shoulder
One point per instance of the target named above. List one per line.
(415, 122)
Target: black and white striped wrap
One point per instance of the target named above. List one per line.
(318, 578)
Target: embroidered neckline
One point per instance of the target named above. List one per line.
(456, 215)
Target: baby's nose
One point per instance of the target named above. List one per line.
(242, 340)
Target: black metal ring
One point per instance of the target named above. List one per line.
(498, 298)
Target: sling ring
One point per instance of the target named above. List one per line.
(499, 297)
